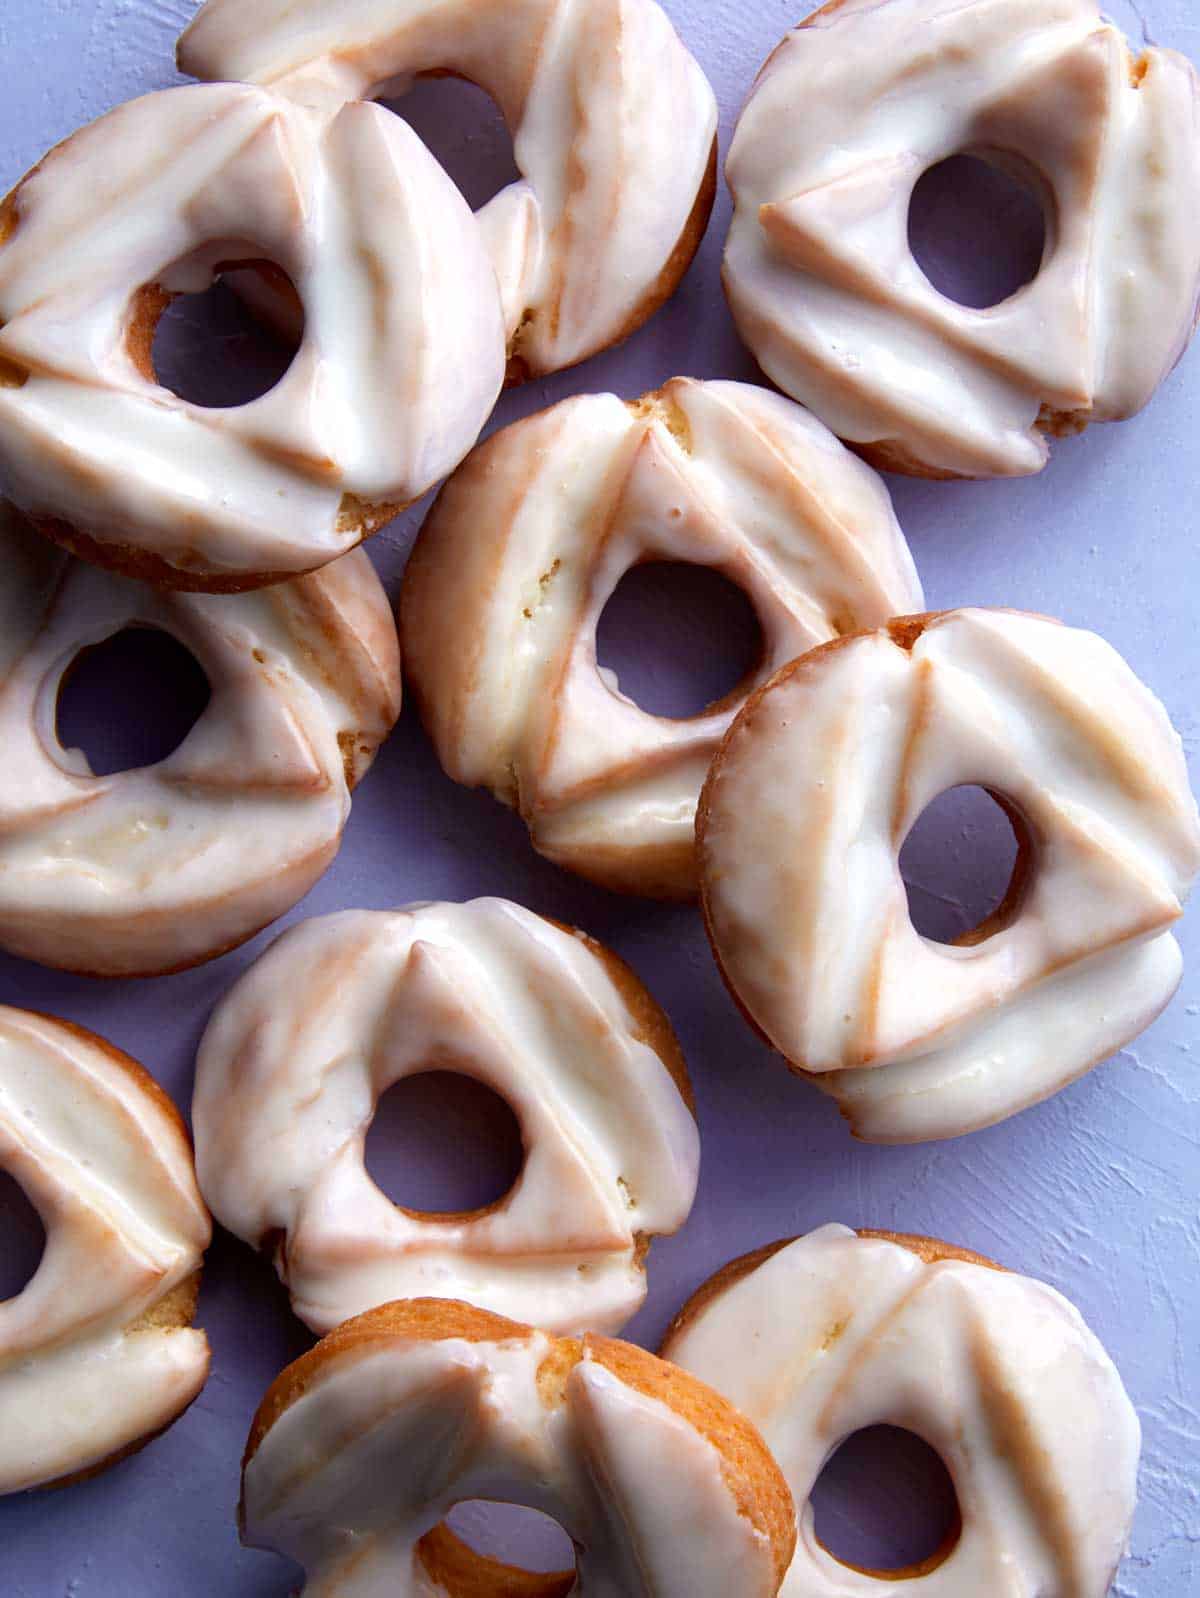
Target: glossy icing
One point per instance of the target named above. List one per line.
(613, 123)
(401, 360)
(85, 1369)
(392, 1433)
(341, 1008)
(149, 870)
(849, 112)
(998, 1373)
(837, 760)
(527, 544)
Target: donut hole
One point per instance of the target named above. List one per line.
(678, 640)
(977, 228)
(224, 345)
(463, 129)
(22, 1238)
(444, 1144)
(130, 701)
(508, 1534)
(963, 867)
(885, 1504)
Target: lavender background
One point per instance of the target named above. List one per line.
(1094, 1191)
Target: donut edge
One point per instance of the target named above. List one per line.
(520, 370)
(930, 1250)
(176, 1309)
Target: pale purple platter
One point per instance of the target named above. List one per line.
(1095, 1191)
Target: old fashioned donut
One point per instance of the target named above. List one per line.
(401, 360)
(526, 545)
(362, 1447)
(614, 132)
(297, 1056)
(853, 107)
(822, 1337)
(800, 827)
(158, 868)
(97, 1353)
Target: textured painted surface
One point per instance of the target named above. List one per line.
(1095, 1191)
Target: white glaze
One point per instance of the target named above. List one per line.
(110, 1173)
(341, 1008)
(849, 112)
(401, 361)
(837, 761)
(392, 1434)
(160, 867)
(995, 1371)
(526, 546)
(613, 126)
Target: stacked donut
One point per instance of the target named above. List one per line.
(474, 1355)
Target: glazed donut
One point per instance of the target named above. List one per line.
(531, 537)
(97, 1353)
(852, 108)
(614, 132)
(401, 360)
(339, 1009)
(362, 1447)
(155, 869)
(835, 759)
(824, 1336)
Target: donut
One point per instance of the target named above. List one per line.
(155, 869)
(614, 131)
(835, 759)
(853, 107)
(527, 543)
(362, 1446)
(97, 1354)
(296, 1057)
(401, 360)
(824, 1336)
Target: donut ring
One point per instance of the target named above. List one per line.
(527, 543)
(995, 1371)
(400, 363)
(852, 108)
(97, 1354)
(339, 1009)
(152, 870)
(614, 130)
(414, 1407)
(836, 758)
